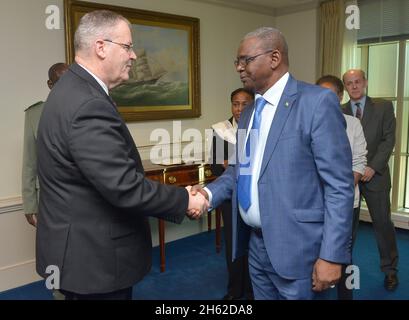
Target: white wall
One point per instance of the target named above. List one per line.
(28, 49)
(301, 30)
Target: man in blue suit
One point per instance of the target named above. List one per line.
(293, 196)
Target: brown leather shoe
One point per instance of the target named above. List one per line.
(391, 281)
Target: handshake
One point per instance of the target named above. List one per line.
(198, 201)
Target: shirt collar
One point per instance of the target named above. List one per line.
(101, 83)
(234, 123)
(362, 102)
(274, 93)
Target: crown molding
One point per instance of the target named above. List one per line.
(314, 4)
(241, 6)
(274, 12)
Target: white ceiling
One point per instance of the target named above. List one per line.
(269, 7)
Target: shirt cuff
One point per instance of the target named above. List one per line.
(209, 193)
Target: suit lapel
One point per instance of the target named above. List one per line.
(348, 109)
(280, 118)
(368, 112)
(81, 72)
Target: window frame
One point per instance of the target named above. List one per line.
(400, 167)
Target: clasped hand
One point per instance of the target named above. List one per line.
(325, 275)
(198, 204)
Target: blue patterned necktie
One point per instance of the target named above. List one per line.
(244, 181)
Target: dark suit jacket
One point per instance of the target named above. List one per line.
(94, 199)
(379, 126)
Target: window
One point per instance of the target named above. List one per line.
(387, 67)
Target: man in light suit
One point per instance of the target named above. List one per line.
(29, 181)
(95, 201)
(379, 124)
(293, 212)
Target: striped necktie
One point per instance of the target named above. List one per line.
(358, 112)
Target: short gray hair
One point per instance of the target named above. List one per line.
(94, 25)
(271, 38)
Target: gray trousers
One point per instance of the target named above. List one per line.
(379, 207)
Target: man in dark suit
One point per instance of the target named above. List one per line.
(292, 185)
(223, 146)
(379, 123)
(95, 201)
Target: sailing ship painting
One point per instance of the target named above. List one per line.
(142, 72)
(160, 75)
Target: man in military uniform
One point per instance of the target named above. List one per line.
(29, 173)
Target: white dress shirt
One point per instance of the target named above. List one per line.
(272, 96)
(101, 83)
(357, 141)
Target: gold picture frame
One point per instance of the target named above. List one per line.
(165, 80)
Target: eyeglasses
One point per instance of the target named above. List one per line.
(127, 47)
(244, 61)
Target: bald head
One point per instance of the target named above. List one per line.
(262, 59)
(271, 38)
(55, 72)
(355, 83)
(356, 72)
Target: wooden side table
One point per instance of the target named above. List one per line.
(182, 175)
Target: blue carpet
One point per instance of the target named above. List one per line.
(195, 272)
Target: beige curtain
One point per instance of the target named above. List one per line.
(332, 25)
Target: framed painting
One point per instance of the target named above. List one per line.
(164, 80)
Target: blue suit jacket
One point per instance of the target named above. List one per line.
(305, 186)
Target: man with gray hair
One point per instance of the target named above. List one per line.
(379, 124)
(95, 201)
(292, 186)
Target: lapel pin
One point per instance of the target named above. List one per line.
(287, 104)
